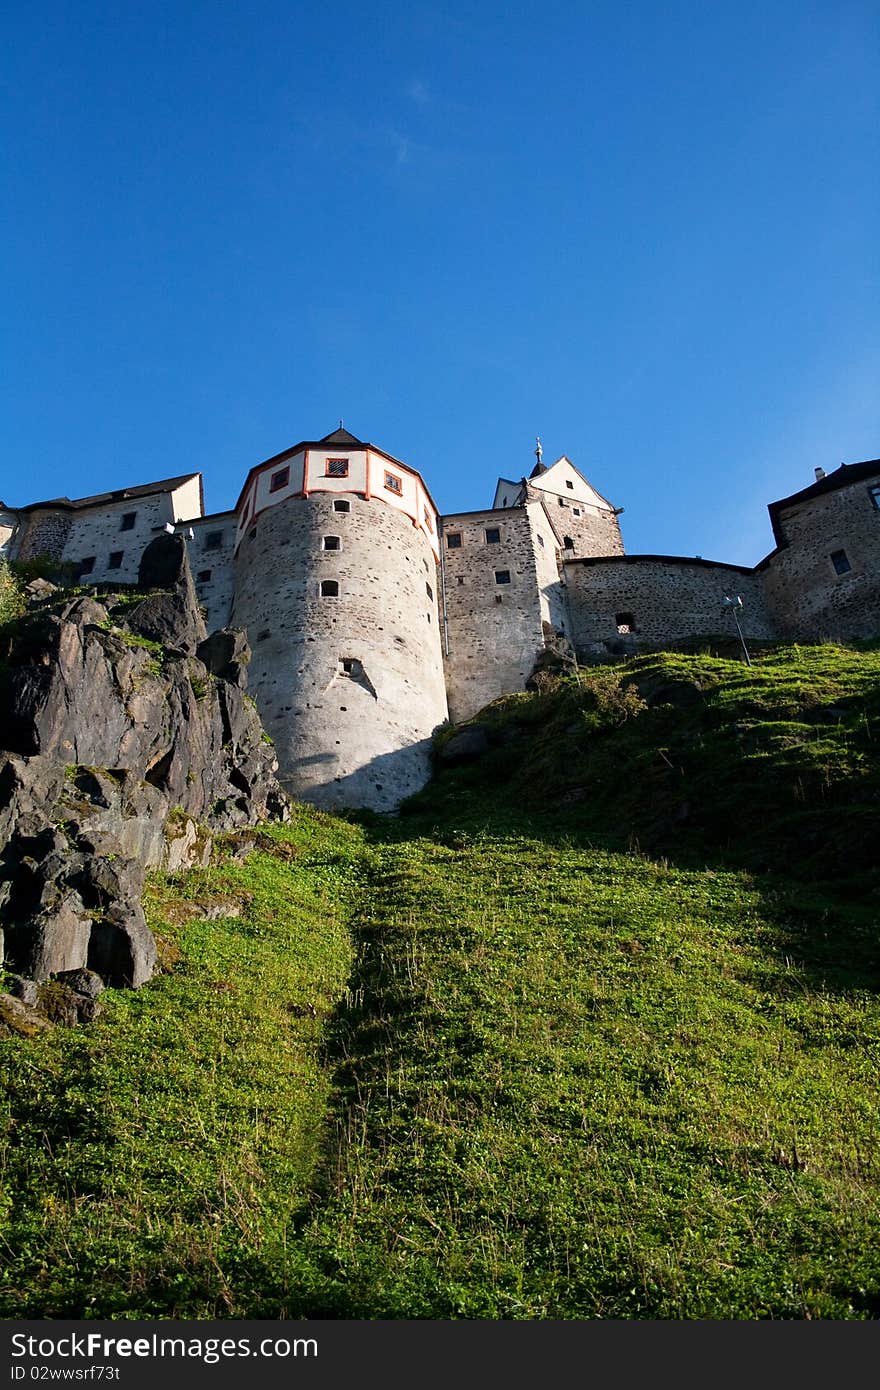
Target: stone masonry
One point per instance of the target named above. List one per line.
(372, 619)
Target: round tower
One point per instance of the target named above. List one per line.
(336, 585)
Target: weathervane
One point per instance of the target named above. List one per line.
(539, 452)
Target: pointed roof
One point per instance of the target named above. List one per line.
(538, 469)
(340, 436)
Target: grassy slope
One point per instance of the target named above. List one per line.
(568, 1079)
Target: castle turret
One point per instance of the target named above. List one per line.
(336, 584)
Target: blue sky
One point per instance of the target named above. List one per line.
(646, 232)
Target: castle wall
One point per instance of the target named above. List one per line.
(493, 629)
(349, 687)
(368, 473)
(211, 556)
(8, 525)
(103, 534)
(551, 587)
(808, 598)
(660, 599)
(43, 532)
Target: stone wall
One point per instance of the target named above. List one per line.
(211, 550)
(349, 686)
(43, 532)
(650, 599)
(493, 625)
(809, 599)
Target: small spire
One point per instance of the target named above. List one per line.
(539, 451)
(341, 426)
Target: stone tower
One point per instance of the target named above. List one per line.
(336, 584)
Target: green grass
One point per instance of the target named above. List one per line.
(543, 1047)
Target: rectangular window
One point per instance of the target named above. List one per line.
(330, 543)
(430, 592)
(874, 494)
(493, 535)
(502, 576)
(87, 565)
(279, 480)
(393, 483)
(329, 588)
(115, 561)
(336, 468)
(541, 541)
(203, 576)
(840, 562)
(213, 540)
(342, 505)
(568, 543)
(575, 511)
(569, 483)
(625, 623)
(128, 520)
(562, 502)
(453, 540)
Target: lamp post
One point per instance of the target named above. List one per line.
(735, 604)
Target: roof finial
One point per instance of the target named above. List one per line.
(340, 424)
(539, 452)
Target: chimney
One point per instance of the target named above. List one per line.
(820, 474)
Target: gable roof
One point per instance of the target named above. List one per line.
(843, 476)
(100, 499)
(541, 479)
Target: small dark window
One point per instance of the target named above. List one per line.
(393, 483)
(840, 562)
(568, 543)
(562, 502)
(493, 535)
(279, 479)
(330, 543)
(430, 592)
(874, 494)
(625, 623)
(213, 540)
(461, 579)
(453, 540)
(337, 468)
(541, 542)
(568, 483)
(203, 576)
(329, 588)
(575, 511)
(341, 505)
(128, 520)
(87, 565)
(497, 598)
(115, 561)
(502, 576)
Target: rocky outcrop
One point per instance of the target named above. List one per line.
(129, 737)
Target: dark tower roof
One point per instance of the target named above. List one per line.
(538, 469)
(340, 436)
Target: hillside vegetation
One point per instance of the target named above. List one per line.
(591, 1031)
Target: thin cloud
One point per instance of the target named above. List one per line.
(418, 92)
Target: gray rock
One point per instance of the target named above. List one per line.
(469, 743)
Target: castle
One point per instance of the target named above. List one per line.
(372, 619)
